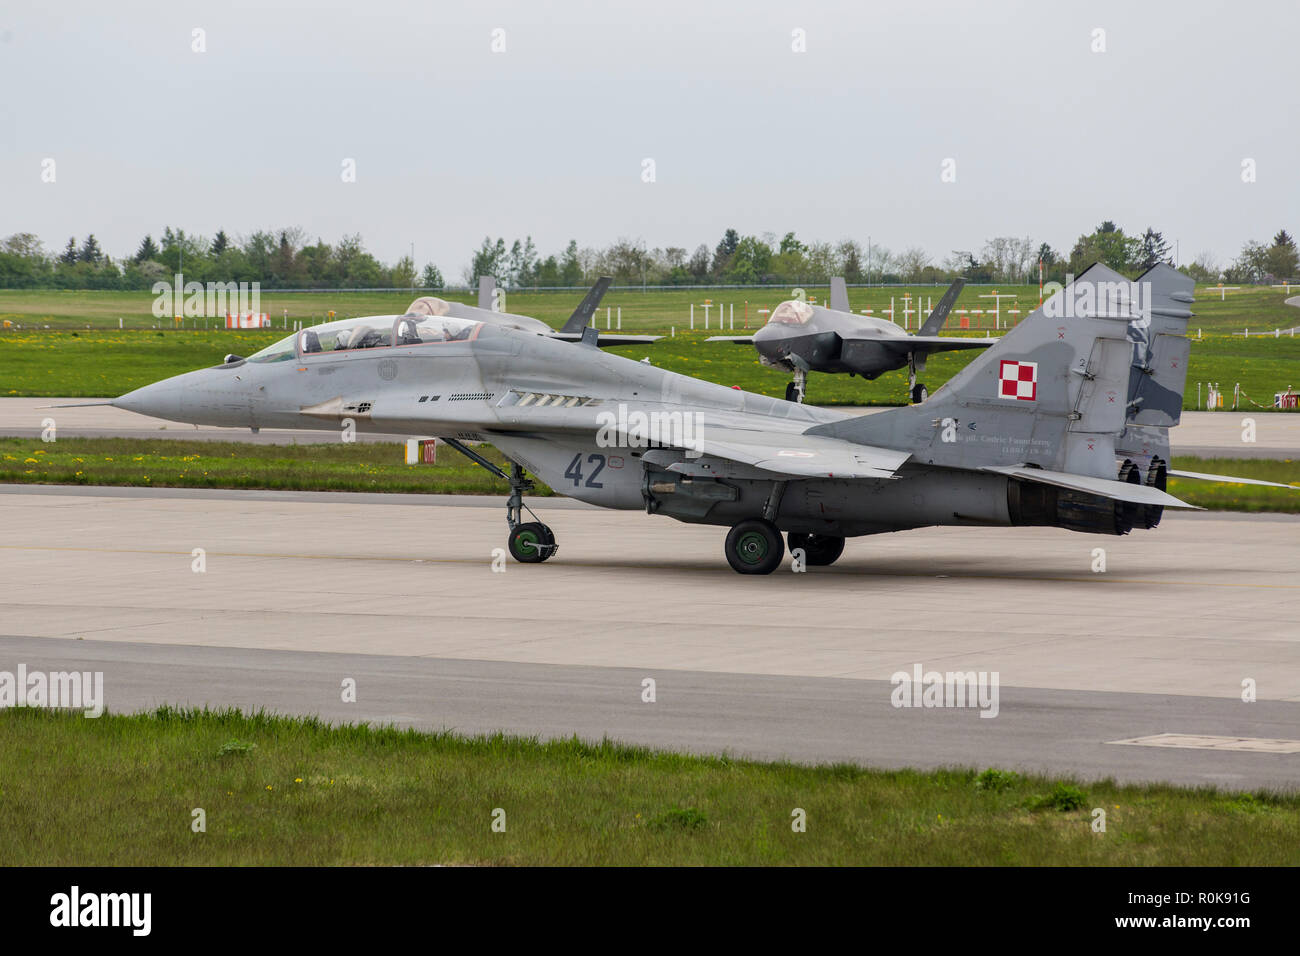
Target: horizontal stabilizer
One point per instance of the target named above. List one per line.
(1105, 487)
(1229, 478)
(734, 339)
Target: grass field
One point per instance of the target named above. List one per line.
(121, 790)
(99, 364)
(1256, 308)
(379, 466)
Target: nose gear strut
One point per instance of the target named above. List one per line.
(530, 542)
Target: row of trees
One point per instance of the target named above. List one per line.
(278, 260)
(284, 259)
(739, 260)
(746, 260)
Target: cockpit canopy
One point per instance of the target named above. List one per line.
(374, 331)
(791, 312)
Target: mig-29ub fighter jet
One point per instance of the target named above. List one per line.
(1032, 432)
(489, 298)
(800, 337)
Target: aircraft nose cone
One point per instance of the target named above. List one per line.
(159, 400)
(767, 339)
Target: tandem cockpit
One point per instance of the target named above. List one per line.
(423, 324)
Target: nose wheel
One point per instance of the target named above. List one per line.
(531, 542)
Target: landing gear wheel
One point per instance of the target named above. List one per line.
(755, 547)
(791, 393)
(531, 542)
(820, 550)
(919, 393)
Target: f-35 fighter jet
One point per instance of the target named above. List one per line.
(800, 337)
(1063, 422)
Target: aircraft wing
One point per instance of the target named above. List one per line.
(795, 454)
(607, 339)
(803, 456)
(1106, 487)
(933, 343)
(734, 339)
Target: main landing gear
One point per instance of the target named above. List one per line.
(820, 550)
(530, 542)
(755, 547)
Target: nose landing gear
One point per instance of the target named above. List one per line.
(795, 391)
(916, 391)
(530, 542)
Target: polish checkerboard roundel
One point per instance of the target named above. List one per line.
(1018, 380)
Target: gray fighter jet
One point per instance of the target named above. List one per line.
(800, 337)
(1064, 423)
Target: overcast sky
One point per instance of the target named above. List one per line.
(453, 141)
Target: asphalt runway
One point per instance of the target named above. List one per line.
(301, 590)
(1205, 434)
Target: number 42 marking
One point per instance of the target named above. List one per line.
(574, 471)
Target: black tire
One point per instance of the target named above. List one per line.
(820, 550)
(791, 392)
(531, 543)
(755, 547)
(919, 393)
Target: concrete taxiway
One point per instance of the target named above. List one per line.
(1205, 434)
(300, 590)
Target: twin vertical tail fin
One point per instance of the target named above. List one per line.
(1048, 403)
(839, 297)
(934, 322)
(1157, 379)
(581, 316)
